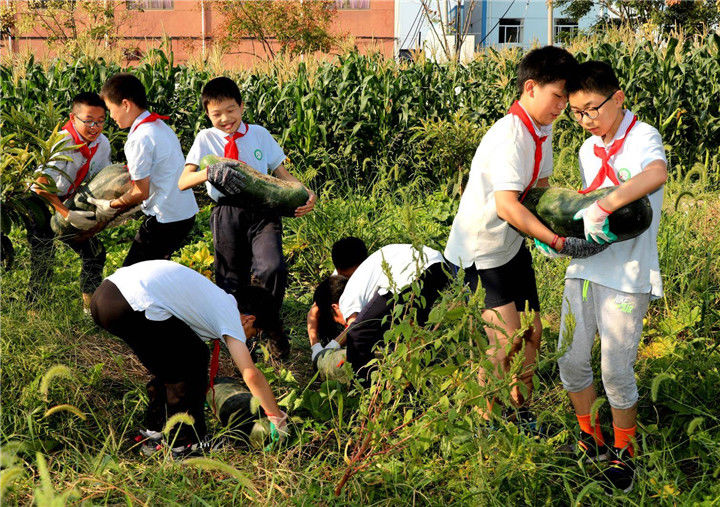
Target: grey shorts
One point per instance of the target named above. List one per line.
(589, 308)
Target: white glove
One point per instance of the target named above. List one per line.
(82, 220)
(103, 211)
(279, 423)
(316, 349)
(332, 344)
(595, 222)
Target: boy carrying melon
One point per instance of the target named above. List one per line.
(609, 293)
(246, 236)
(84, 129)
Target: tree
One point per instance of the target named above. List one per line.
(295, 26)
(445, 26)
(692, 16)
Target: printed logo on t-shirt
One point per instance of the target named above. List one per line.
(258, 154)
(624, 174)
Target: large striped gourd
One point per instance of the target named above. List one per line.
(556, 207)
(109, 183)
(261, 189)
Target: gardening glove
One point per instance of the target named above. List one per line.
(595, 222)
(103, 211)
(579, 248)
(316, 349)
(547, 250)
(229, 181)
(332, 344)
(82, 220)
(278, 429)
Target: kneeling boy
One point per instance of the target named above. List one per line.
(166, 312)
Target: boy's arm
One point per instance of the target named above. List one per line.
(53, 199)
(652, 177)
(510, 209)
(312, 324)
(283, 174)
(191, 176)
(254, 379)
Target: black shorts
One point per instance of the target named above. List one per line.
(511, 282)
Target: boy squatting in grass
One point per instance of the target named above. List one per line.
(247, 240)
(166, 312)
(485, 239)
(155, 161)
(368, 297)
(609, 293)
(84, 128)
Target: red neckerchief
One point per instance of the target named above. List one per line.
(606, 170)
(231, 149)
(517, 110)
(85, 151)
(148, 119)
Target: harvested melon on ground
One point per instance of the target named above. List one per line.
(110, 183)
(332, 365)
(247, 185)
(556, 207)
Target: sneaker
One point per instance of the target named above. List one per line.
(589, 448)
(620, 474)
(150, 441)
(205, 445)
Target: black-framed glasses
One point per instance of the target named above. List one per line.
(592, 112)
(91, 123)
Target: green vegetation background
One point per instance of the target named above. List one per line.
(386, 146)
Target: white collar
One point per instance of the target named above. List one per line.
(140, 118)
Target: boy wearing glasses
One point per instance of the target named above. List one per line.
(609, 293)
(84, 129)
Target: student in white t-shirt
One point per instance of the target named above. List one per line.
(84, 128)
(155, 161)
(486, 235)
(609, 293)
(247, 239)
(166, 313)
(368, 297)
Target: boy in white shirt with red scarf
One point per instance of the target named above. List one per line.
(155, 161)
(609, 293)
(84, 128)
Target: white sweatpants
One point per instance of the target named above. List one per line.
(618, 318)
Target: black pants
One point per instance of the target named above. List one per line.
(248, 249)
(368, 328)
(172, 352)
(42, 256)
(156, 240)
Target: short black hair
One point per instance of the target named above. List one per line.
(124, 86)
(327, 293)
(546, 65)
(87, 99)
(258, 301)
(348, 252)
(594, 76)
(220, 88)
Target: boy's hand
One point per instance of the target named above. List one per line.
(308, 206)
(278, 429)
(547, 250)
(579, 248)
(595, 221)
(103, 211)
(82, 220)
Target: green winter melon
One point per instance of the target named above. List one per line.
(556, 207)
(332, 365)
(262, 189)
(109, 183)
(232, 405)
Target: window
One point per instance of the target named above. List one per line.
(511, 31)
(565, 28)
(352, 4)
(148, 5)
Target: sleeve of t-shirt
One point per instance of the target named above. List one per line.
(653, 148)
(275, 154)
(351, 298)
(195, 153)
(139, 153)
(510, 163)
(226, 318)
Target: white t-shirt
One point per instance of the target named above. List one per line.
(63, 172)
(257, 148)
(632, 265)
(152, 149)
(503, 161)
(163, 289)
(405, 265)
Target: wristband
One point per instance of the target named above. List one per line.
(554, 242)
(603, 209)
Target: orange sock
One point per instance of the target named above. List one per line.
(624, 438)
(591, 429)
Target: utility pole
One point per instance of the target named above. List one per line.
(550, 22)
